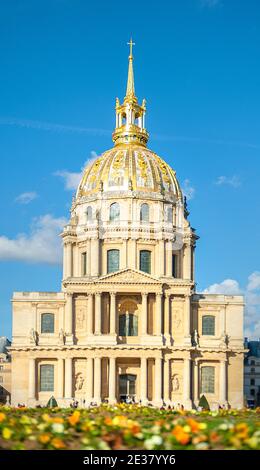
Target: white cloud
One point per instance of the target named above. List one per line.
(252, 301)
(188, 190)
(72, 179)
(26, 198)
(41, 245)
(227, 287)
(233, 181)
(254, 281)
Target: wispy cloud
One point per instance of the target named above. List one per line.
(252, 300)
(99, 132)
(52, 127)
(26, 198)
(188, 190)
(233, 181)
(72, 179)
(41, 245)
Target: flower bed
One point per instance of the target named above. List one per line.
(128, 427)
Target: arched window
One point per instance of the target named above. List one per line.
(112, 261)
(128, 325)
(114, 212)
(208, 325)
(47, 378)
(208, 379)
(47, 323)
(144, 213)
(145, 261)
(89, 213)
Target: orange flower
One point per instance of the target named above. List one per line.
(74, 418)
(194, 425)
(214, 437)
(57, 419)
(57, 443)
(241, 431)
(2, 417)
(44, 438)
(180, 435)
(108, 421)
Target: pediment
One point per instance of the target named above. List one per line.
(128, 276)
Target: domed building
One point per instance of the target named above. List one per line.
(128, 324)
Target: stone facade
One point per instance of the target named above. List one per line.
(128, 322)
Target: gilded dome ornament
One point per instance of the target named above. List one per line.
(130, 164)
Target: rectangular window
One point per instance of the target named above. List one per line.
(145, 261)
(47, 323)
(208, 325)
(84, 264)
(47, 378)
(112, 261)
(208, 379)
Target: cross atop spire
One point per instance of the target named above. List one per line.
(130, 89)
(131, 44)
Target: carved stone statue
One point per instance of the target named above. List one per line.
(61, 336)
(225, 340)
(195, 338)
(175, 383)
(79, 381)
(33, 336)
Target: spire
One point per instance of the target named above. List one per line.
(130, 89)
(130, 115)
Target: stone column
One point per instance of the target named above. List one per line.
(187, 261)
(69, 259)
(95, 257)
(167, 315)
(124, 260)
(68, 378)
(112, 380)
(187, 320)
(97, 379)
(143, 381)
(169, 259)
(98, 313)
(196, 395)
(90, 315)
(60, 377)
(64, 260)
(69, 315)
(144, 313)
(158, 316)
(223, 383)
(166, 385)
(89, 381)
(161, 258)
(158, 382)
(112, 313)
(31, 378)
(187, 384)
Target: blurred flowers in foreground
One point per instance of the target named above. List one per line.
(128, 427)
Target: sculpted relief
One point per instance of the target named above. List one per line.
(80, 377)
(177, 320)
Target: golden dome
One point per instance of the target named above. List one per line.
(129, 165)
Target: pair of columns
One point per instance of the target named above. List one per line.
(158, 314)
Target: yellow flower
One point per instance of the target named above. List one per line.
(2, 417)
(7, 433)
(202, 426)
(57, 443)
(74, 418)
(46, 418)
(44, 438)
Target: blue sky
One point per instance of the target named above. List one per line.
(63, 62)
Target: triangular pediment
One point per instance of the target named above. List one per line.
(128, 276)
